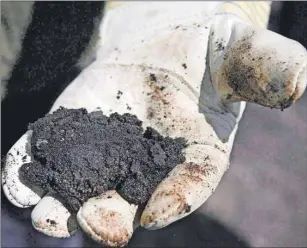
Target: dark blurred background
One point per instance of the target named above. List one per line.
(262, 199)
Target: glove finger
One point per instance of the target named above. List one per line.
(14, 189)
(257, 65)
(186, 188)
(108, 219)
(52, 218)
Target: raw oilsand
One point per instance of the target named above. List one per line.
(80, 155)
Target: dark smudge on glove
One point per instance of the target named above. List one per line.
(81, 155)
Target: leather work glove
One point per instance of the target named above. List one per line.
(185, 69)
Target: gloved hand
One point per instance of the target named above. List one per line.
(184, 71)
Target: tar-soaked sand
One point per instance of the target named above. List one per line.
(80, 155)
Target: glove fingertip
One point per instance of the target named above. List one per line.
(186, 188)
(51, 218)
(14, 189)
(108, 219)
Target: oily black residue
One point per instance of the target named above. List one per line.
(52, 222)
(119, 94)
(153, 77)
(80, 155)
(249, 77)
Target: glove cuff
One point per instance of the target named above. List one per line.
(255, 13)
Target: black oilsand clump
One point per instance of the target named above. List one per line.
(80, 155)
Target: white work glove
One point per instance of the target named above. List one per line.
(183, 70)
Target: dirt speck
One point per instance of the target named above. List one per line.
(188, 209)
(119, 94)
(153, 77)
(128, 107)
(51, 222)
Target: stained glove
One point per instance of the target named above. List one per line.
(185, 69)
